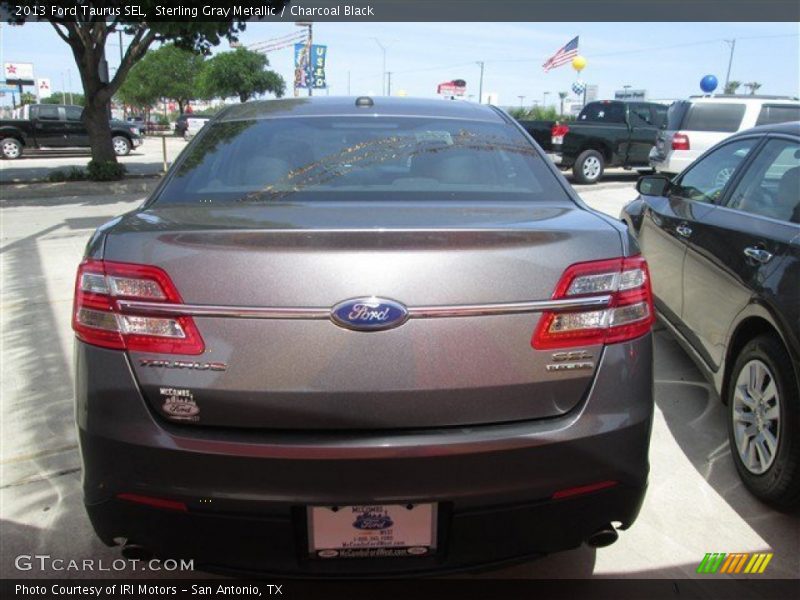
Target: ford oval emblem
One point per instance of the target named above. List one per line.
(369, 314)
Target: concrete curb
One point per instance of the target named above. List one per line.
(21, 191)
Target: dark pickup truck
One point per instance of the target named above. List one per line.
(58, 127)
(607, 133)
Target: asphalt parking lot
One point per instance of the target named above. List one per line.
(695, 504)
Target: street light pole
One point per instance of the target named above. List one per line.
(383, 74)
(521, 98)
(480, 85)
(732, 44)
(388, 83)
(544, 99)
(625, 90)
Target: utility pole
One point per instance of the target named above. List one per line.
(308, 65)
(69, 83)
(388, 83)
(544, 99)
(521, 98)
(732, 44)
(480, 85)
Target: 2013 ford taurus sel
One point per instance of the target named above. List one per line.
(357, 336)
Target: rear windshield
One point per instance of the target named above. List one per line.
(602, 112)
(711, 116)
(778, 114)
(359, 158)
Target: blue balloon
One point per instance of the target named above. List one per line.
(708, 84)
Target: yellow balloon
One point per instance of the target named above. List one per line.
(578, 63)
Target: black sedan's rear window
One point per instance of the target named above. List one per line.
(359, 158)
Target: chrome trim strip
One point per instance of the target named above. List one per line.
(507, 308)
(420, 312)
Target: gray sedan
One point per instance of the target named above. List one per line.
(355, 336)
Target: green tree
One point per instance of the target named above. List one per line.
(87, 36)
(136, 91)
(27, 98)
(241, 73)
(62, 98)
(732, 86)
(169, 72)
(562, 96)
(753, 87)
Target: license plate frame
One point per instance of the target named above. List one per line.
(372, 531)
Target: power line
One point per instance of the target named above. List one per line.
(657, 48)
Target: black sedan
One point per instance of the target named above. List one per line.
(723, 244)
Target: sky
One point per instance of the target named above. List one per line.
(666, 59)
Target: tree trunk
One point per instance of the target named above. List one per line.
(244, 97)
(99, 130)
(97, 109)
(180, 107)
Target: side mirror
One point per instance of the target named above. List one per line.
(653, 185)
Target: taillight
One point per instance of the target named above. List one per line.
(628, 315)
(98, 320)
(680, 141)
(557, 133)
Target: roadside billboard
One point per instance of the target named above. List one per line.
(18, 72)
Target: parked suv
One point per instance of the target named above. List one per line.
(696, 124)
(723, 242)
(351, 336)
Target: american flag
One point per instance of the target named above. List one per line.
(563, 56)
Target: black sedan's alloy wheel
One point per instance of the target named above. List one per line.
(764, 423)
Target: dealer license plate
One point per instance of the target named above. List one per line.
(372, 531)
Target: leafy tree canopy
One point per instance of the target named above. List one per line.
(168, 72)
(86, 37)
(241, 73)
(62, 98)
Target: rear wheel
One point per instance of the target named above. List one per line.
(589, 167)
(10, 148)
(764, 421)
(122, 145)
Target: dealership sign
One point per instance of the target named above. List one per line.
(309, 66)
(43, 88)
(18, 73)
(456, 87)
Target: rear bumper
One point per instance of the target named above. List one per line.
(559, 158)
(246, 493)
(668, 164)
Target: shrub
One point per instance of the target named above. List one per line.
(105, 171)
(73, 174)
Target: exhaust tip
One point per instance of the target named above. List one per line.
(605, 536)
(136, 552)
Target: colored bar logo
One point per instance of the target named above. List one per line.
(734, 563)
